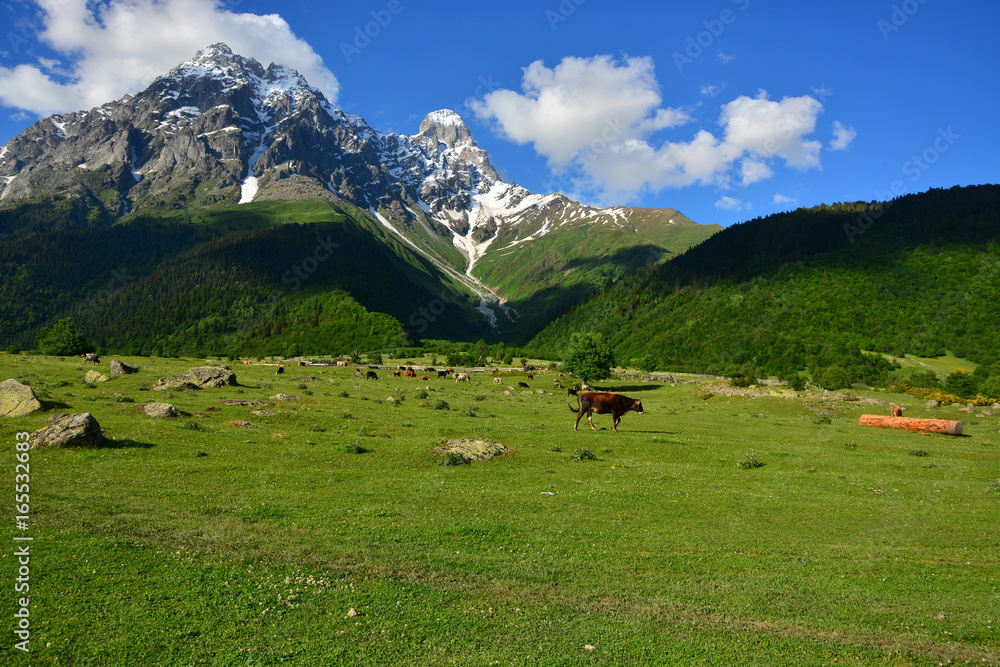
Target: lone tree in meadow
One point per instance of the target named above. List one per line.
(589, 357)
(62, 339)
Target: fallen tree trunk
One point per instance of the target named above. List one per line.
(910, 424)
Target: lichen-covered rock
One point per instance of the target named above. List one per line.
(68, 430)
(95, 377)
(160, 410)
(17, 400)
(473, 450)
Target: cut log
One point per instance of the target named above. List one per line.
(911, 424)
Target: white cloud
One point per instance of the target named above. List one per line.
(725, 58)
(594, 120)
(782, 199)
(728, 203)
(116, 47)
(582, 104)
(709, 90)
(842, 136)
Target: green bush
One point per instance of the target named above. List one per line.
(584, 455)
(750, 461)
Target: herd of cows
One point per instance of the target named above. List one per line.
(589, 402)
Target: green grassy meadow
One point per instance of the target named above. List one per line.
(328, 533)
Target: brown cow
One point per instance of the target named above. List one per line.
(604, 402)
(896, 411)
(409, 374)
(461, 377)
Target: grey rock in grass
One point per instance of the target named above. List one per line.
(121, 368)
(203, 377)
(284, 397)
(17, 400)
(160, 410)
(68, 430)
(95, 377)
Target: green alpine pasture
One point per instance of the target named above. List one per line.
(722, 527)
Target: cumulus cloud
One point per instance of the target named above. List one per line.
(581, 103)
(120, 46)
(728, 203)
(782, 199)
(842, 136)
(596, 120)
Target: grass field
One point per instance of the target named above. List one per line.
(328, 533)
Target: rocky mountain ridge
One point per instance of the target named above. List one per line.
(222, 129)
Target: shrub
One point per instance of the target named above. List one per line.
(192, 426)
(470, 411)
(441, 404)
(742, 381)
(584, 455)
(919, 452)
(355, 448)
(750, 461)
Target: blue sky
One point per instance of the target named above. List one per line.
(726, 110)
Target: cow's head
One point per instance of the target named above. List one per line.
(637, 406)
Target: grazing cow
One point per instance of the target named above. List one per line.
(424, 378)
(530, 376)
(371, 375)
(523, 385)
(557, 384)
(442, 374)
(341, 363)
(497, 381)
(428, 369)
(603, 402)
(896, 411)
(281, 369)
(395, 374)
(357, 373)
(409, 374)
(461, 377)
(91, 356)
(303, 363)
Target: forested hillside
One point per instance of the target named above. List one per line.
(812, 288)
(245, 281)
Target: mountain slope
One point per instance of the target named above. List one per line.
(813, 287)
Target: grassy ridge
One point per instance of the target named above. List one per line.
(795, 290)
(213, 544)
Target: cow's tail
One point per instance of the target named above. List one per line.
(578, 405)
